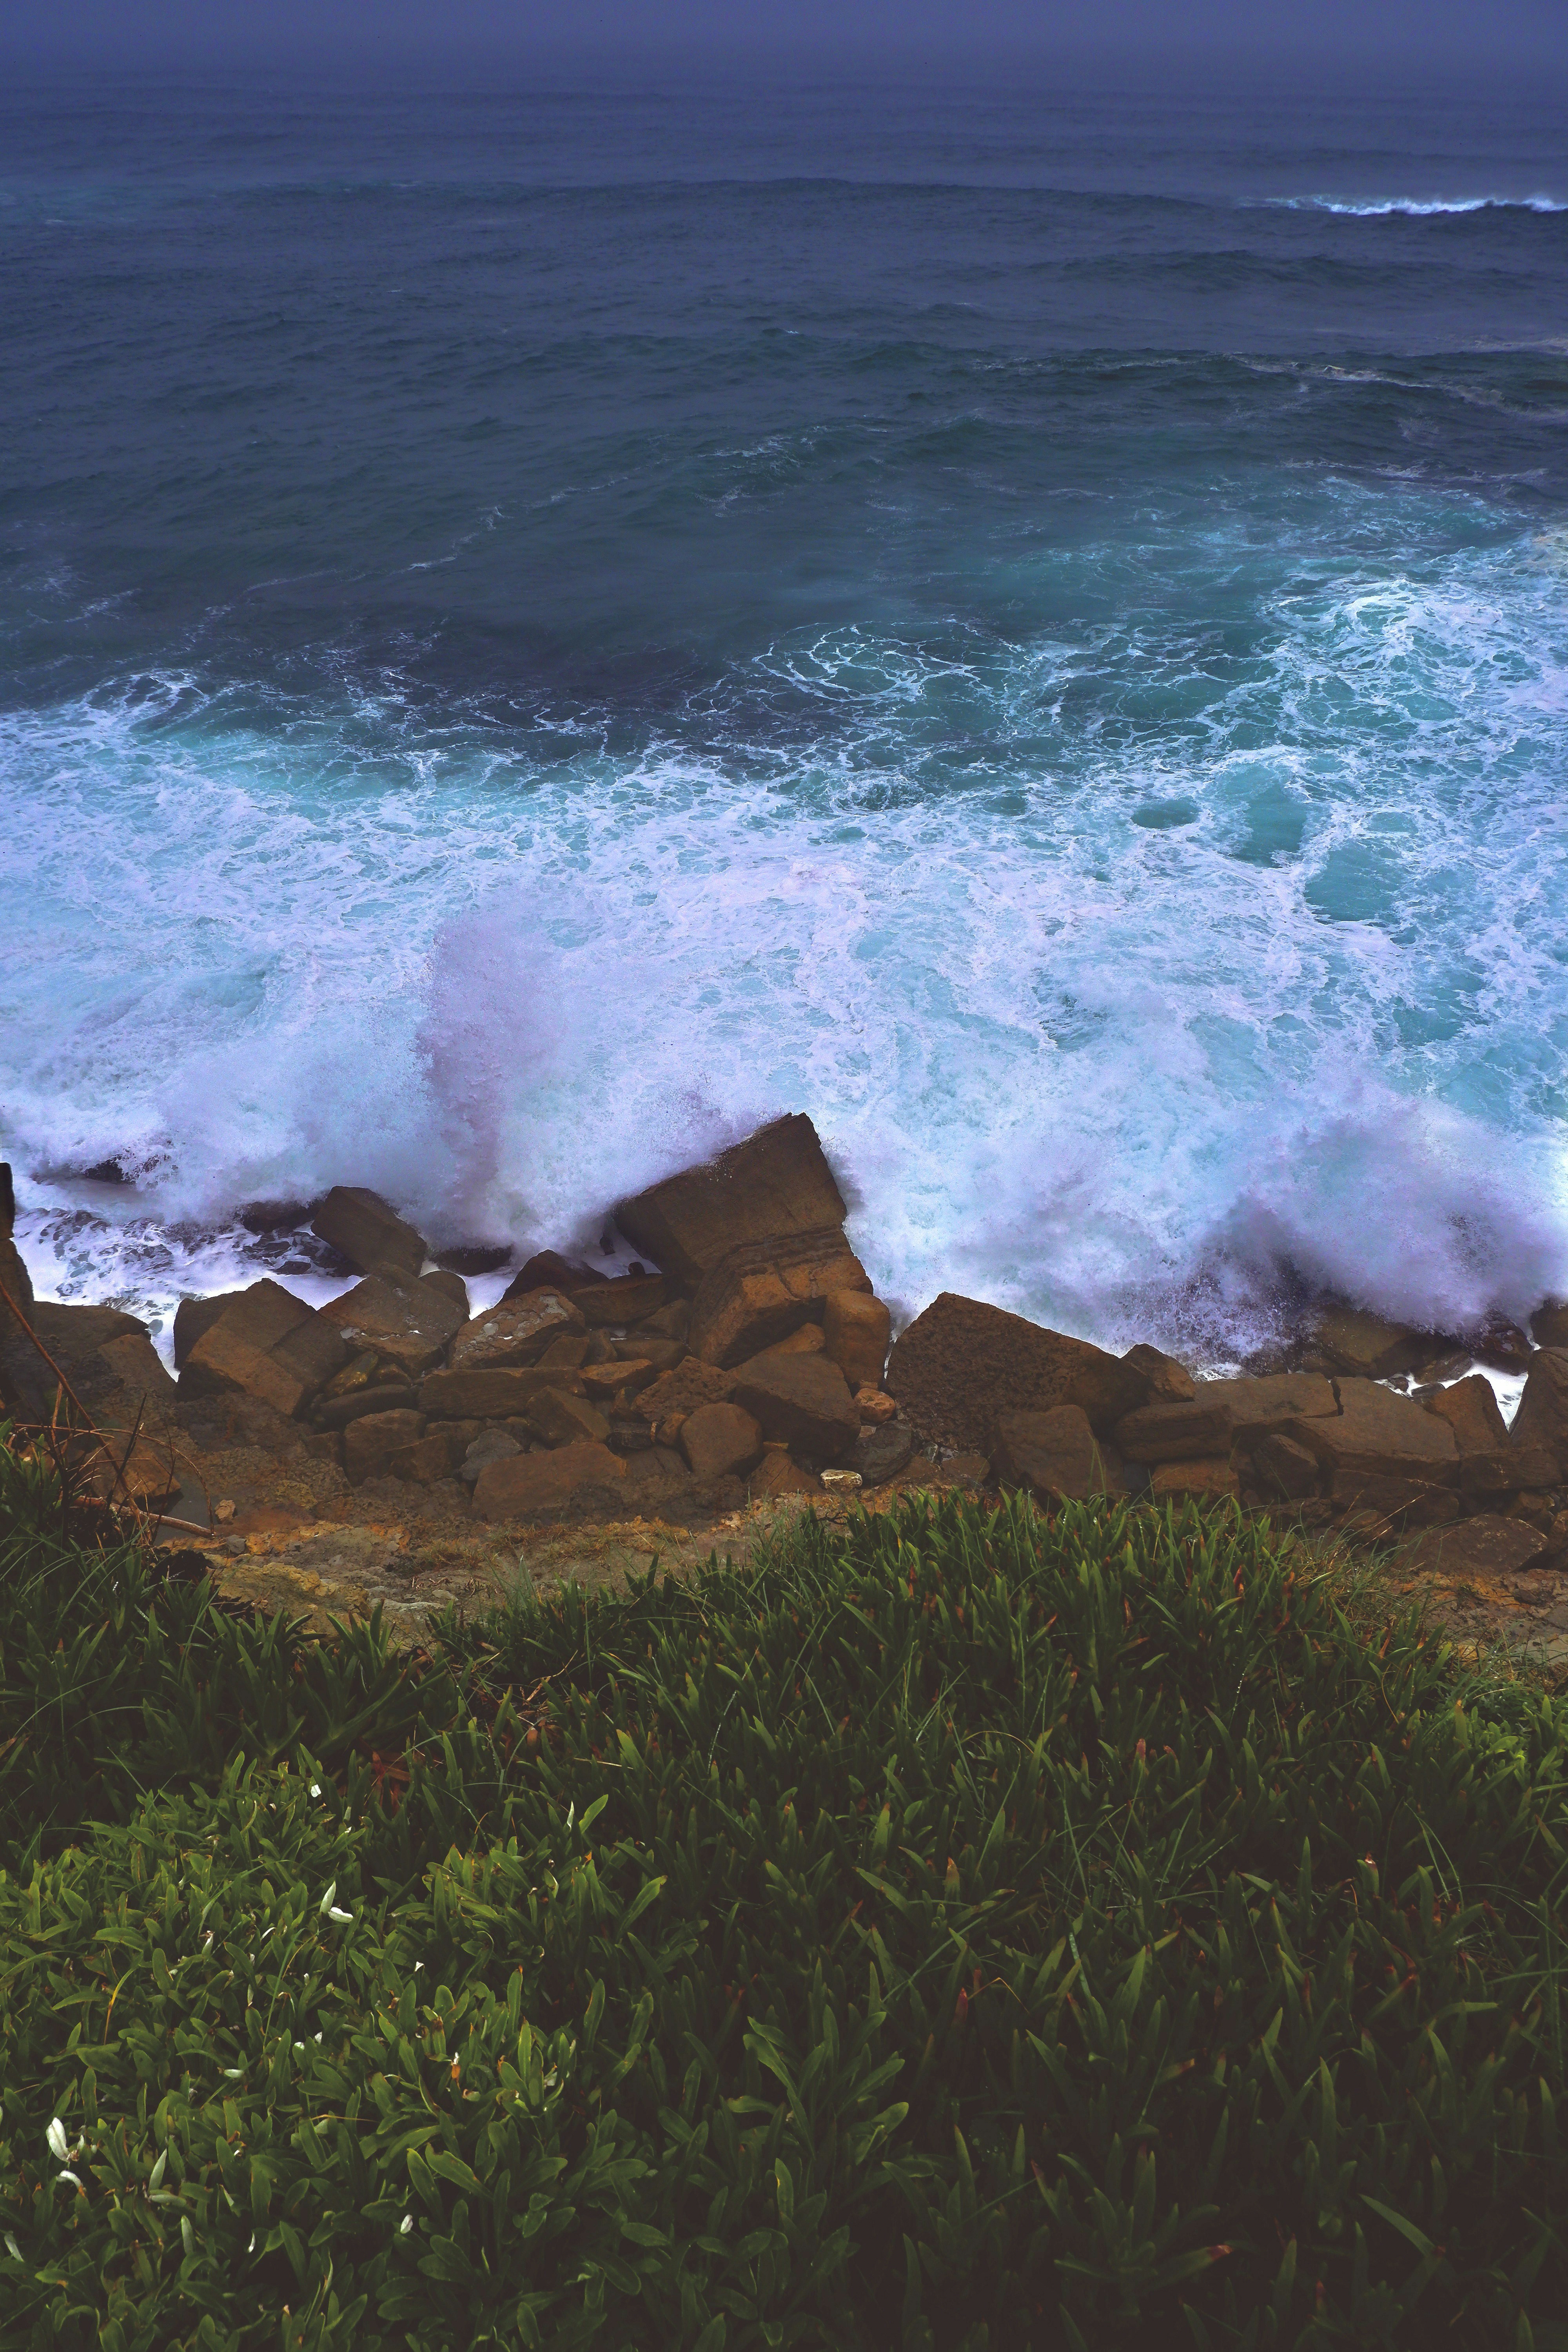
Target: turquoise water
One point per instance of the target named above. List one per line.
(537, 632)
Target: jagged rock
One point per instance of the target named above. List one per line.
(778, 1474)
(874, 1407)
(1471, 1411)
(1054, 1454)
(380, 1396)
(621, 1378)
(1548, 1324)
(238, 1352)
(1368, 1346)
(562, 1419)
(138, 1370)
(194, 1316)
(776, 1182)
(368, 1232)
(674, 1395)
(1285, 1470)
(659, 1355)
(762, 1291)
(1377, 1434)
(720, 1441)
(1507, 1470)
(316, 1351)
(806, 1341)
(520, 1330)
(451, 1286)
(1484, 1545)
(1204, 1478)
(856, 1329)
(616, 1306)
(573, 1481)
(1504, 1347)
(658, 1483)
(410, 1327)
(1407, 1502)
(370, 1442)
(548, 1270)
(1170, 1382)
(573, 1350)
(1542, 1416)
(1176, 1433)
(429, 1458)
(1272, 1401)
(494, 1394)
(881, 1453)
(671, 1322)
(802, 1399)
(494, 1445)
(962, 1363)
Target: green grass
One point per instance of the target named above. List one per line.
(953, 1930)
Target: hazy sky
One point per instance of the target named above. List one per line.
(1411, 38)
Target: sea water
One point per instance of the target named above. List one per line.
(539, 628)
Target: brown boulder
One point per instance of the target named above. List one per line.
(548, 1270)
(623, 1377)
(560, 1417)
(1204, 1479)
(1369, 1346)
(777, 1181)
(494, 1394)
(194, 1316)
(238, 1353)
(1270, 1401)
(1507, 1470)
(574, 1480)
(778, 1473)
(1407, 1502)
(608, 1305)
(423, 1463)
(1052, 1454)
(676, 1394)
(138, 1370)
(1377, 1434)
(659, 1355)
(75, 1336)
(856, 1330)
(671, 1322)
(962, 1363)
(804, 1399)
(1471, 1409)
(145, 1472)
(1542, 1416)
(1548, 1324)
(316, 1351)
(380, 1396)
(451, 1286)
(367, 1232)
(1176, 1433)
(720, 1441)
(762, 1291)
(1485, 1546)
(1170, 1382)
(518, 1331)
(370, 1442)
(1284, 1469)
(410, 1327)
(881, 1453)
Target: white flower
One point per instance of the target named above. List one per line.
(69, 2176)
(235, 2074)
(315, 1788)
(329, 1897)
(403, 2228)
(55, 2135)
(343, 1919)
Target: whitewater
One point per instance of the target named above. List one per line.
(502, 694)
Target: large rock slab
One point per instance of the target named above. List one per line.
(574, 1481)
(1271, 1400)
(1170, 1382)
(518, 1331)
(370, 1443)
(1054, 1454)
(369, 1232)
(881, 1451)
(628, 1300)
(1176, 1432)
(1548, 1324)
(559, 1418)
(802, 1399)
(1223, 1411)
(1542, 1416)
(761, 1292)
(667, 1400)
(409, 1327)
(1377, 1435)
(238, 1354)
(139, 1373)
(777, 1181)
(498, 1392)
(962, 1363)
(1484, 1545)
(856, 1329)
(1369, 1346)
(1471, 1411)
(194, 1316)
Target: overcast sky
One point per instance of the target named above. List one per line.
(1412, 37)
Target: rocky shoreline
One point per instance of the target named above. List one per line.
(745, 1360)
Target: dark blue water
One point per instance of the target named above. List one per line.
(536, 630)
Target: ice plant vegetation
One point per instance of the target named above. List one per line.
(957, 1929)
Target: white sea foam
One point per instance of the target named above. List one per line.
(1415, 207)
(1104, 1020)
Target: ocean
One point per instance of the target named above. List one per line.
(540, 627)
